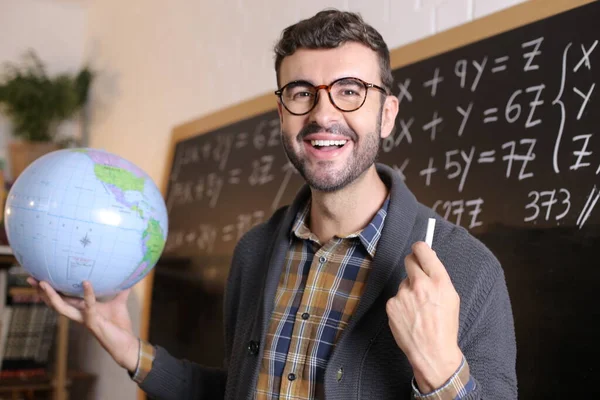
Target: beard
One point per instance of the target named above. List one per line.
(364, 154)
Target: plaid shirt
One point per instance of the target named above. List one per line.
(319, 289)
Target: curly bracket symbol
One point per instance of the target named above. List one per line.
(562, 109)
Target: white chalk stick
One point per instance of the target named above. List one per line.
(429, 235)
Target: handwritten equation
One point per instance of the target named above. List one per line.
(508, 131)
(208, 175)
(514, 120)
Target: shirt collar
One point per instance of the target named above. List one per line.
(369, 235)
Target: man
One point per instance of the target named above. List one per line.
(336, 296)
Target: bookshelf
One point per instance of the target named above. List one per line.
(56, 384)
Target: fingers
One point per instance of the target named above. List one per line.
(77, 309)
(413, 269)
(428, 261)
(89, 299)
(417, 283)
(74, 301)
(33, 282)
(123, 296)
(55, 301)
(88, 295)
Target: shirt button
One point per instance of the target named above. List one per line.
(291, 377)
(322, 259)
(340, 374)
(305, 315)
(253, 348)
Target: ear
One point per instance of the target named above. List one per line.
(280, 111)
(388, 116)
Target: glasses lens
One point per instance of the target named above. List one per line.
(298, 97)
(348, 94)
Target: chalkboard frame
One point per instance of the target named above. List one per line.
(474, 31)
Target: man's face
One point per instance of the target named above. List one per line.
(307, 139)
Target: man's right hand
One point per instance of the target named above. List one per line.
(109, 322)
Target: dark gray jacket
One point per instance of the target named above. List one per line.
(366, 357)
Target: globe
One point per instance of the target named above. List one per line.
(85, 214)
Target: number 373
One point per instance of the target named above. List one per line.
(547, 200)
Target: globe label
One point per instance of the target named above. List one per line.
(80, 269)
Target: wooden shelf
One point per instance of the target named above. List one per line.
(40, 383)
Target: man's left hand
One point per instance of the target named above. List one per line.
(424, 318)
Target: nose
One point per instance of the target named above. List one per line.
(324, 113)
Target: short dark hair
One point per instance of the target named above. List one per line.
(329, 29)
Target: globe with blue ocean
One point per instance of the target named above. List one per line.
(86, 214)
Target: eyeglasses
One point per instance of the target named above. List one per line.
(346, 94)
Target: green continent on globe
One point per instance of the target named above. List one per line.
(139, 210)
(154, 240)
(119, 177)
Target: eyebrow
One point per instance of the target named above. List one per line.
(348, 79)
(299, 81)
(302, 80)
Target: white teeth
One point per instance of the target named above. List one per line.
(328, 142)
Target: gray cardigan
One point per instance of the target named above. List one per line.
(366, 363)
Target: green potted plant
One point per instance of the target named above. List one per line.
(36, 104)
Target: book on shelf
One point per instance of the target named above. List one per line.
(5, 250)
(27, 327)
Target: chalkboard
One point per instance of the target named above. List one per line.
(497, 131)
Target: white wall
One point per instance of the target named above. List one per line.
(55, 29)
(163, 63)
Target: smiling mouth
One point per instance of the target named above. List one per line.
(328, 144)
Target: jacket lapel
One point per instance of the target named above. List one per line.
(278, 248)
(277, 257)
(392, 246)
